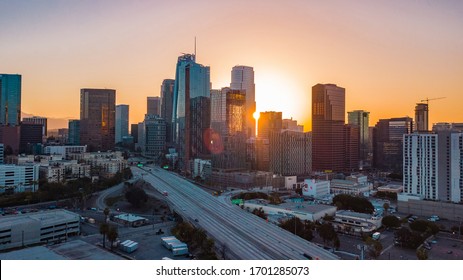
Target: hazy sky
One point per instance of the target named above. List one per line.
(387, 54)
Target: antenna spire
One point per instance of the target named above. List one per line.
(195, 48)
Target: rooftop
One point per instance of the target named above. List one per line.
(45, 218)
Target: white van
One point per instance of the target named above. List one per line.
(376, 235)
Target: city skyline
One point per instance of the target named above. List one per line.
(387, 55)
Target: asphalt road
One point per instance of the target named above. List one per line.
(244, 235)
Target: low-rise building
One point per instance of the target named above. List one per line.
(356, 223)
(39, 227)
(303, 210)
(131, 220)
(19, 178)
(315, 188)
(65, 151)
(349, 187)
(391, 188)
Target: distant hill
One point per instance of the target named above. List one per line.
(53, 123)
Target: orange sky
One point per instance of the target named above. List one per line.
(387, 54)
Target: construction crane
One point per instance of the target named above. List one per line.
(429, 99)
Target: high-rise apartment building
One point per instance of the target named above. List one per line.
(351, 144)
(421, 117)
(97, 119)
(242, 78)
(191, 110)
(38, 120)
(152, 139)
(153, 105)
(290, 153)
(167, 95)
(433, 165)
(388, 143)
(10, 99)
(292, 125)
(122, 122)
(328, 118)
(361, 119)
(228, 121)
(74, 132)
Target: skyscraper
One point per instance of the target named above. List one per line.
(38, 120)
(290, 152)
(134, 132)
(153, 105)
(361, 119)
(228, 121)
(122, 122)
(74, 132)
(191, 105)
(421, 117)
(328, 118)
(388, 143)
(152, 140)
(10, 99)
(242, 78)
(167, 95)
(30, 138)
(269, 122)
(433, 165)
(97, 119)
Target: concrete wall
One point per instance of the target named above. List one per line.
(427, 208)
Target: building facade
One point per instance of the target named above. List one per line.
(97, 118)
(74, 132)
(122, 122)
(152, 140)
(191, 110)
(228, 122)
(388, 143)
(290, 153)
(167, 95)
(38, 120)
(10, 99)
(328, 118)
(269, 122)
(433, 165)
(361, 119)
(153, 105)
(242, 78)
(30, 138)
(19, 178)
(421, 117)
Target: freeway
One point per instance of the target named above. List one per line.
(245, 236)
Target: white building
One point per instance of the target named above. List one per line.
(65, 151)
(39, 227)
(433, 165)
(19, 178)
(202, 168)
(315, 188)
(349, 187)
(356, 223)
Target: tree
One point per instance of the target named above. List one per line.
(424, 226)
(327, 232)
(104, 229)
(422, 254)
(386, 207)
(106, 213)
(391, 221)
(374, 247)
(260, 213)
(113, 234)
(136, 196)
(354, 203)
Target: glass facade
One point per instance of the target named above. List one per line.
(74, 132)
(122, 122)
(97, 119)
(10, 99)
(191, 109)
(242, 78)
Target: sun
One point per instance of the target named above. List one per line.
(256, 115)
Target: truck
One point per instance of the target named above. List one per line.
(376, 235)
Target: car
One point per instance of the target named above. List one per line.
(449, 252)
(196, 220)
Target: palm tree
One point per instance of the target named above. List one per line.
(104, 229)
(113, 234)
(106, 213)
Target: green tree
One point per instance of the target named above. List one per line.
(106, 213)
(354, 203)
(327, 233)
(424, 226)
(259, 213)
(104, 229)
(374, 247)
(421, 253)
(391, 222)
(113, 234)
(136, 196)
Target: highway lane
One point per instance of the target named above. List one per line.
(245, 235)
